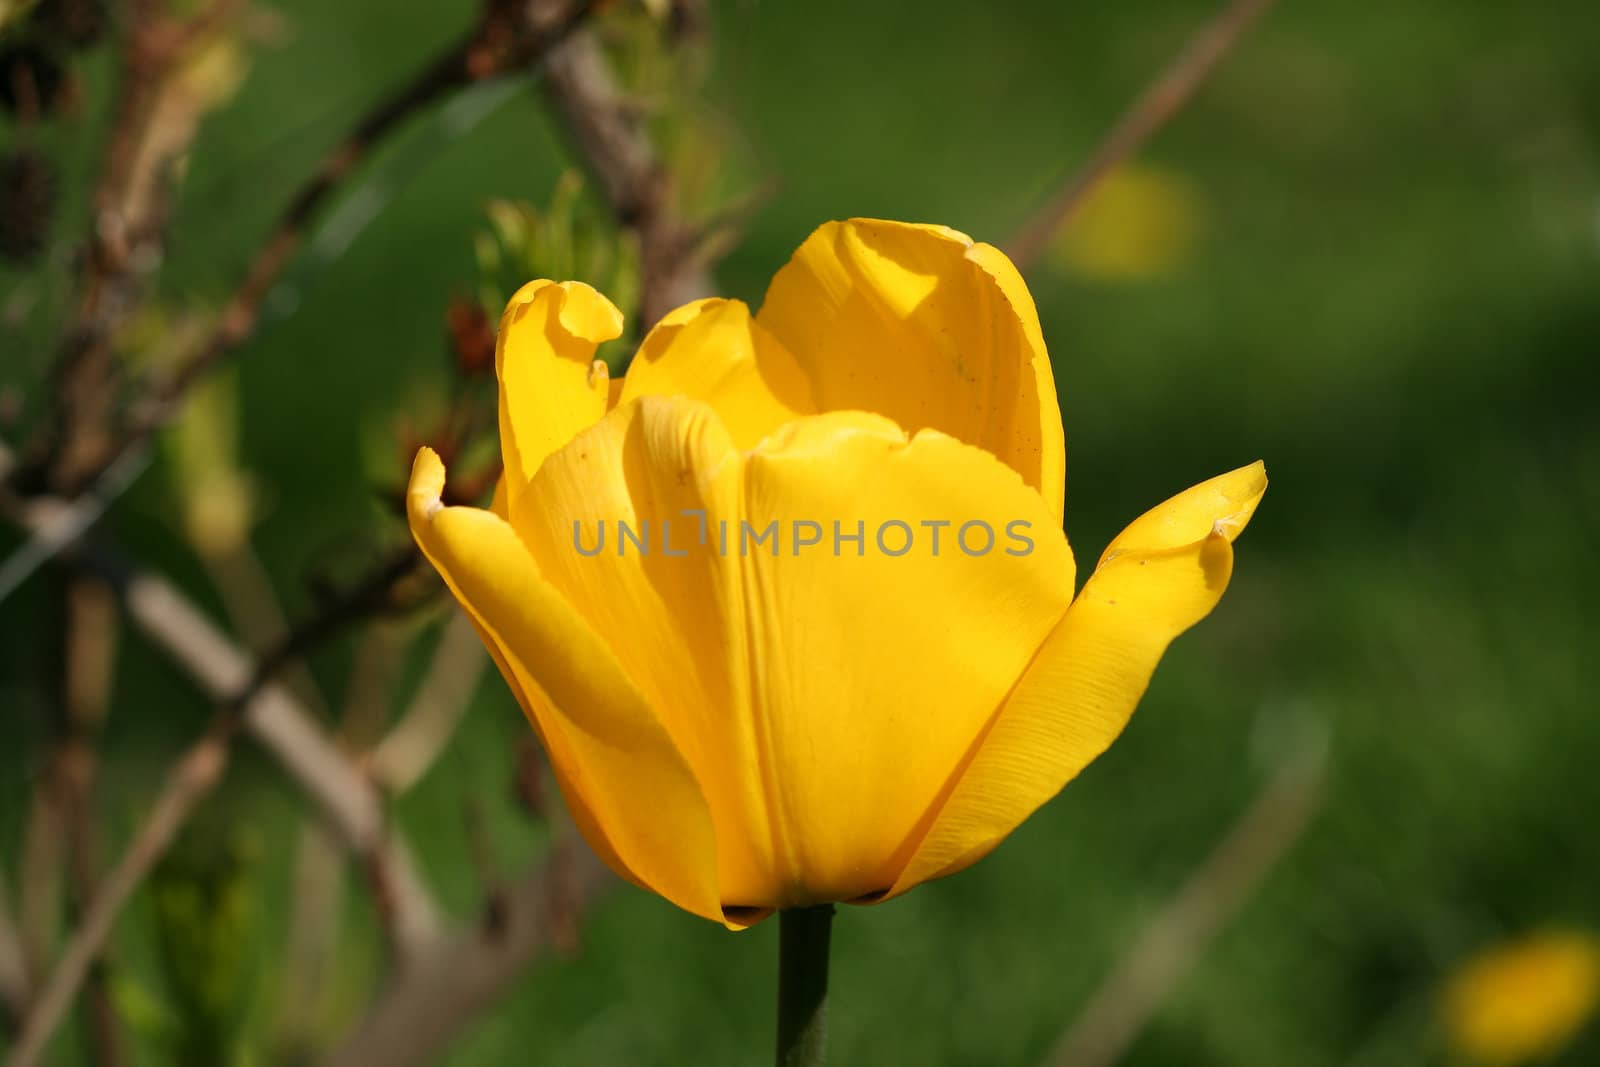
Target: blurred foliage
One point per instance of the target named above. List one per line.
(205, 899)
(570, 238)
(217, 499)
(1139, 223)
(1388, 287)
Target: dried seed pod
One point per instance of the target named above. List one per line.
(27, 192)
(471, 336)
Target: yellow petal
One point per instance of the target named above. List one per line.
(1164, 573)
(1229, 499)
(921, 325)
(823, 700)
(608, 746)
(713, 351)
(614, 521)
(873, 673)
(551, 386)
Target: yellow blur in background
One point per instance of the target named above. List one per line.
(1523, 1001)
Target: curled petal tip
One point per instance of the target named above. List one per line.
(583, 311)
(428, 480)
(586, 313)
(424, 496)
(526, 294)
(1247, 494)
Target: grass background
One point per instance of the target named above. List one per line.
(1393, 298)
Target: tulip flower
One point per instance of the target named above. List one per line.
(790, 606)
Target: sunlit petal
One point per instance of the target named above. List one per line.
(1082, 687)
(597, 728)
(714, 351)
(922, 325)
(873, 673)
(551, 386)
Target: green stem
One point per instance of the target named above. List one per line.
(803, 985)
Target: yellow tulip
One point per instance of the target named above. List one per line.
(742, 727)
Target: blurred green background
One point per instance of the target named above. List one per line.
(1368, 253)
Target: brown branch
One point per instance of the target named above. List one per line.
(80, 451)
(195, 775)
(251, 701)
(54, 525)
(416, 741)
(312, 941)
(252, 610)
(498, 46)
(14, 990)
(611, 138)
(1213, 894)
(276, 721)
(43, 863)
(92, 629)
(426, 1008)
(1154, 108)
(153, 125)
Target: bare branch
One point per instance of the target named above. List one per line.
(493, 49)
(276, 721)
(426, 1008)
(251, 701)
(195, 775)
(1213, 894)
(82, 452)
(611, 138)
(44, 859)
(1154, 108)
(156, 120)
(407, 751)
(92, 630)
(13, 966)
(55, 525)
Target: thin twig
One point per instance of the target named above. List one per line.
(612, 140)
(272, 717)
(1154, 108)
(14, 990)
(411, 747)
(491, 50)
(1213, 894)
(43, 865)
(372, 594)
(55, 525)
(128, 230)
(500, 45)
(92, 630)
(249, 699)
(426, 1008)
(189, 781)
(252, 609)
